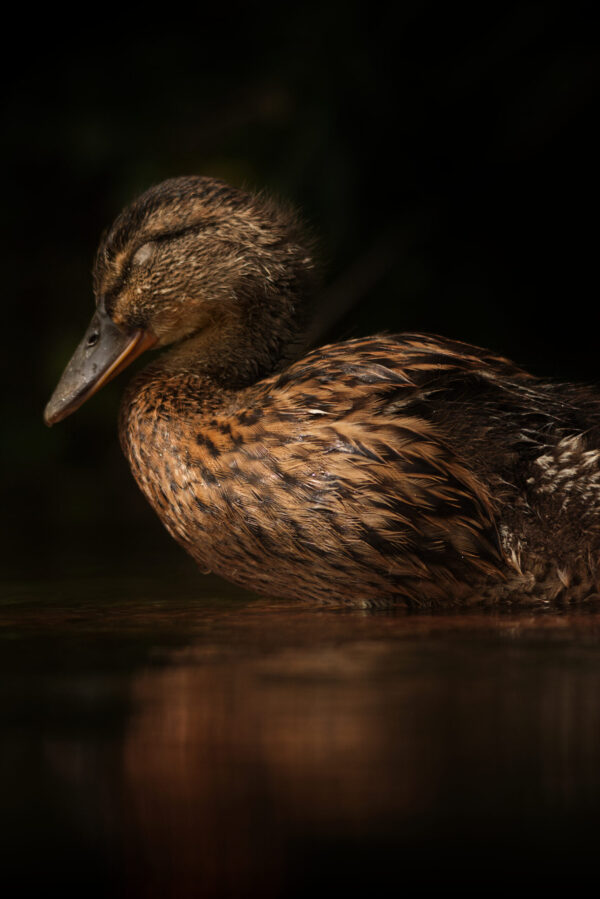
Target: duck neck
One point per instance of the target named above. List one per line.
(236, 350)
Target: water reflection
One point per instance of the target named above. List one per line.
(228, 746)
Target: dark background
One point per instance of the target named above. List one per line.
(447, 160)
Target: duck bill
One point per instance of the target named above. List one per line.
(104, 352)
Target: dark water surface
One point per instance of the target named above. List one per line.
(161, 740)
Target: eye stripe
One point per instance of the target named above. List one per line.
(144, 252)
(181, 232)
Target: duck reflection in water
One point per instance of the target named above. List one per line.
(280, 747)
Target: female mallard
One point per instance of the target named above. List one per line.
(387, 469)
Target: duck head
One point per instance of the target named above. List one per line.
(219, 274)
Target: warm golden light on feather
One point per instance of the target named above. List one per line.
(390, 469)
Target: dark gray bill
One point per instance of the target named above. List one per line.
(104, 351)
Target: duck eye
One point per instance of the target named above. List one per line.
(143, 253)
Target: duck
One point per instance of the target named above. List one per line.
(392, 470)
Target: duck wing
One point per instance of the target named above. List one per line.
(346, 463)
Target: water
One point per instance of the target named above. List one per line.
(165, 740)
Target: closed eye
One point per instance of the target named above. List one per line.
(144, 253)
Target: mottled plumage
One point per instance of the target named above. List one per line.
(403, 468)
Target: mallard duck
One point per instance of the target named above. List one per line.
(404, 469)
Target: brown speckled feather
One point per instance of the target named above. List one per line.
(332, 480)
(409, 469)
